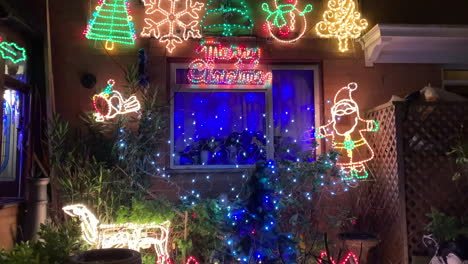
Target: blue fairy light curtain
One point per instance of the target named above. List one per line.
(220, 127)
(293, 112)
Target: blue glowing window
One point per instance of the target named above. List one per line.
(236, 127)
(11, 136)
(293, 113)
(219, 128)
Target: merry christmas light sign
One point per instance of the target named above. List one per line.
(244, 61)
(346, 131)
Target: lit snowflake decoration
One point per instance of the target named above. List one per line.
(173, 26)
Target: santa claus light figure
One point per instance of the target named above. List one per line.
(346, 131)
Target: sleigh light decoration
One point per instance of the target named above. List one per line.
(346, 131)
(128, 235)
(109, 103)
(244, 71)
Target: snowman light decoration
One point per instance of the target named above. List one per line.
(346, 132)
(285, 22)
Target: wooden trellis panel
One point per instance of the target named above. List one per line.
(429, 132)
(411, 173)
(383, 191)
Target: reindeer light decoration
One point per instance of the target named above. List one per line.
(129, 235)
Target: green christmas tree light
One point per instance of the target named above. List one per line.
(112, 22)
(233, 15)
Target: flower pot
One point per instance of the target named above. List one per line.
(205, 157)
(360, 244)
(107, 256)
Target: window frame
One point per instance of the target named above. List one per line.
(267, 89)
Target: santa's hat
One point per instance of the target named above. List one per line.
(344, 94)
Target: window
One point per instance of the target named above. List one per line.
(12, 134)
(214, 126)
(456, 81)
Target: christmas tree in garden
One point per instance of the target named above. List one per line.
(254, 235)
(111, 22)
(226, 18)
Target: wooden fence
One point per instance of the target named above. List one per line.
(411, 173)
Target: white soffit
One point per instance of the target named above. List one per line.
(438, 44)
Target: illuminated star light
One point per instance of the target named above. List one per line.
(114, 102)
(341, 21)
(169, 20)
(128, 235)
(344, 139)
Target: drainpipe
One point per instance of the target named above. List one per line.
(38, 199)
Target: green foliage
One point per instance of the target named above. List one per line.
(444, 227)
(146, 211)
(148, 258)
(22, 253)
(55, 244)
(460, 152)
(204, 234)
(90, 182)
(79, 176)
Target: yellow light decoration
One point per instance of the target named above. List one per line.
(346, 130)
(128, 235)
(341, 21)
(113, 103)
(169, 19)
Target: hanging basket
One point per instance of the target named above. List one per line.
(107, 256)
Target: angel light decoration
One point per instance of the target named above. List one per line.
(346, 131)
(109, 103)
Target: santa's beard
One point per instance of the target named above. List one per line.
(346, 124)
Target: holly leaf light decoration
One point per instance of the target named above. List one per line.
(112, 23)
(341, 21)
(12, 52)
(170, 23)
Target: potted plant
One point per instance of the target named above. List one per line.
(356, 235)
(448, 239)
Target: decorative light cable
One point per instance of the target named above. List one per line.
(346, 260)
(341, 21)
(128, 235)
(109, 103)
(203, 71)
(165, 259)
(171, 21)
(345, 141)
(11, 51)
(280, 23)
(111, 22)
(228, 29)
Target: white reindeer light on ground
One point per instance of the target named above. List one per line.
(129, 235)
